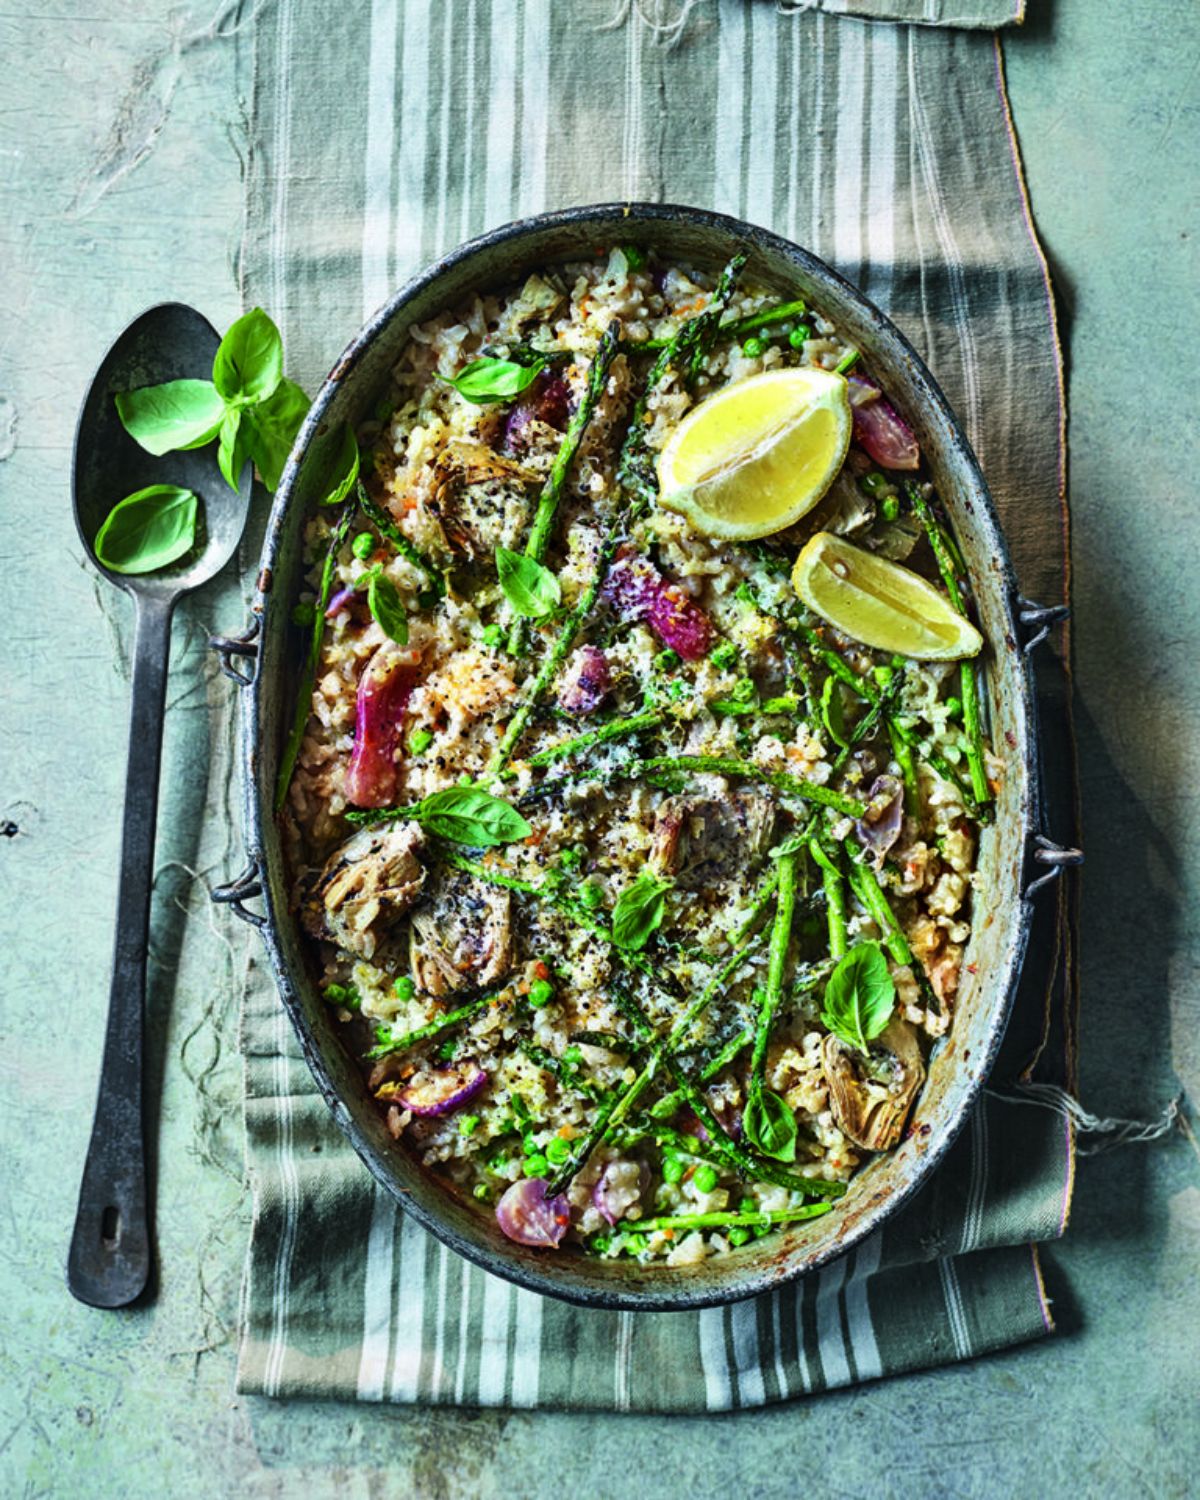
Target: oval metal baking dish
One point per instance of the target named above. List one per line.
(1008, 847)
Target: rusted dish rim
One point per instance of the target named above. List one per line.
(873, 1211)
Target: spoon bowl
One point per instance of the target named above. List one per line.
(169, 342)
(108, 1264)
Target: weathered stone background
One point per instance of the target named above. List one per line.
(121, 154)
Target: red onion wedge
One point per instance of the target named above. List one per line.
(879, 428)
(619, 1187)
(384, 689)
(340, 601)
(639, 592)
(526, 1215)
(440, 1091)
(880, 829)
(586, 681)
(547, 400)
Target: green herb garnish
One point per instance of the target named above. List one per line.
(487, 379)
(639, 911)
(531, 589)
(149, 529)
(178, 414)
(859, 996)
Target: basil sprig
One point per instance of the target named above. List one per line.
(468, 815)
(859, 996)
(177, 414)
(249, 362)
(345, 468)
(385, 604)
(531, 589)
(248, 406)
(638, 914)
(487, 379)
(148, 529)
(770, 1125)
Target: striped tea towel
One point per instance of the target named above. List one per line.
(384, 134)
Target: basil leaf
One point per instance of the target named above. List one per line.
(467, 815)
(178, 414)
(859, 996)
(249, 361)
(769, 1124)
(489, 379)
(345, 468)
(148, 529)
(638, 913)
(532, 590)
(833, 711)
(388, 608)
(273, 426)
(233, 450)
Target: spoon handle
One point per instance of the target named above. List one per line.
(109, 1260)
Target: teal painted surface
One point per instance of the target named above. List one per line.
(120, 171)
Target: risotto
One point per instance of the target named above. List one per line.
(634, 816)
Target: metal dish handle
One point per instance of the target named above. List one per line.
(230, 651)
(231, 647)
(1055, 858)
(1038, 620)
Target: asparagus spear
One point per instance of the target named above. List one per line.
(866, 887)
(384, 524)
(738, 1158)
(728, 1219)
(547, 509)
(615, 729)
(738, 328)
(304, 688)
(679, 1031)
(834, 885)
(772, 993)
(723, 765)
(956, 587)
(434, 1028)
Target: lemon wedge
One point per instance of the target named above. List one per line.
(758, 455)
(880, 603)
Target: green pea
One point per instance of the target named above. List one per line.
(363, 545)
(536, 1166)
(569, 858)
(743, 691)
(590, 895)
(468, 1125)
(738, 1235)
(889, 507)
(447, 1050)
(635, 1243)
(404, 988)
(492, 636)
(304, 613)
(873, 483)
(799, 335)
(705, 1178)
(557, 1150)
(572, 1057)
(601, 1243)
(667, 660)
(747, 1206)
(672, 1169)
(541, 992)
(754, 348)
(724, 655)
(419, 740)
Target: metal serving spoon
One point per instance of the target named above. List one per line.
(109, 1260)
